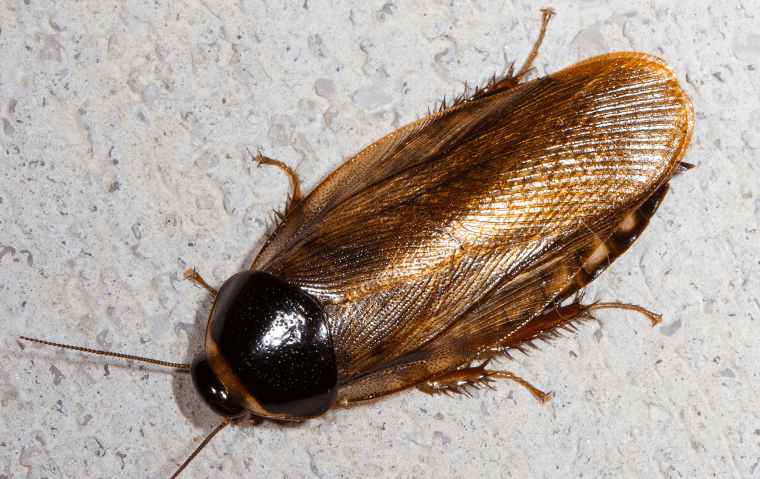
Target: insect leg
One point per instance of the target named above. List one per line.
(548, 14)
(547, 326)
(297, 196)
(653, 317)
(458, 380)
(683, 166)
(510, 80)
(544, 327)
(193, 275)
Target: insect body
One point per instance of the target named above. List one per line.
(449, 241)
(451, 236)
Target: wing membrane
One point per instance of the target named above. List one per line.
(450, 233)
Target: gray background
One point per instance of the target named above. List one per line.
(123, 162)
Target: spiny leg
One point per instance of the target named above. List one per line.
(653, 317)
(458, 380)
(544, 327)
(193, 275)
(297, 196)
(548, 14)
(547, 326)
(510, 80)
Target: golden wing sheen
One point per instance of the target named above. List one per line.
(451, 234)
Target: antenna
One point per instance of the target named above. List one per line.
(113, 355)
(144, 360)
(202, 445)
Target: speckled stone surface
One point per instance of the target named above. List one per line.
(123, 163)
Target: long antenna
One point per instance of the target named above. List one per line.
(144, 360)
(202, 445)
(113, 355)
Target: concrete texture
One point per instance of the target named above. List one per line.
(123, 162)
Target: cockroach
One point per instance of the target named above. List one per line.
(458, 238)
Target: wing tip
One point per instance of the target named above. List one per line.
(663, 68)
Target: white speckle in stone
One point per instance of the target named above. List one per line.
(26, 454)
(701, 361)
(279, 135)
(670, 329)
(330, 115)
(320, 469)
(708, 306)
(590, 42)
(234, 194)
(9, 391)
(324, 87)
(697, 446)
(51, 49)
(598, 334)
(368, 98)
(207, 160)
(251, 217)
(18, 5)
(115, 49)
(205, 202)
(439, 436)
(160, 324)
(84, 420)
(115, 153)
(747, 48)
(7, 127)
(419, 437)
(139, 113)
(57, 375)
(87, 323)
(372, 470)
(103, 340)
(315, 44)
(151, 96)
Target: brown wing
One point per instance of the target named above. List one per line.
(446, 236)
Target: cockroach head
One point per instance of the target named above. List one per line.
(268, 351)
